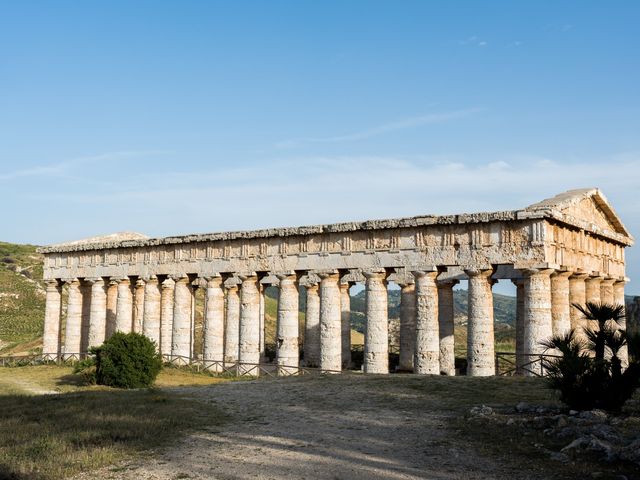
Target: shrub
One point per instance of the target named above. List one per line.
(87, 369)
(589, 374)
(127, 360)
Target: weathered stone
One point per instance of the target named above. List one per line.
(213, 348)
(152, 310)
(287, 348)
(232, 326)
(480, 339)
(407, 326)
(312, 327)
(446, 323)
(376, 339)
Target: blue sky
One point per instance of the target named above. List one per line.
(183, 117)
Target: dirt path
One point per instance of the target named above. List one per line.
(318, 428)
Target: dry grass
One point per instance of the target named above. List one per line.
(83, 428)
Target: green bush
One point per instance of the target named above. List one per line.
(127, 360)
(589, 374)
(87, 369)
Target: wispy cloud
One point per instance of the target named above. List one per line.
(61, 169)
(412, 122)
(474, 41)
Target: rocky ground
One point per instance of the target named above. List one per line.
(356, 427)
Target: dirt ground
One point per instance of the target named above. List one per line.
(341, 427)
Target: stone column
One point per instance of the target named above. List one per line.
(606, 291)
(112, 306)
(312, 327)
(263, 355)
(407, 326)
(182, 303)
(166, 315)
(98, 312)
(426, 359)
(124, 311)
(73, 327)
(618, 299)
(577, 295)
(520, 358)
(560, 306)
(138, 306)
(330, 323)
(592, 289)
(480, 338)
(52, 316)
(538, 323)
(214, 324)
(446, 322)
(249, 335)
(232, 326)
(287, 331)
(376, 338)
(345, 316)
(152, 310)
(85, 289)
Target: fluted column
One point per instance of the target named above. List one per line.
(85, 289)
(214, 323)
(73, 327)
(263, 353)
(345, 316)
(560, 306)
(538, 323)
(232, 326)
(249, 335)
(577, 295)
(138, 306)
(407, 326)
(98, 312)
(618, 299)
(480, 336)
(166, 315)
(376, 338)
(312, 327)
(520, 358)
(330, 323)
(592, 289)
(124, 310)
(287, 330)
(112, 306)
(182, 303)
(52, 317)
(606, 291)
(426, 359)
(446, 324)
(152, 310)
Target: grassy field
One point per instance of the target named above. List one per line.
(82, 428)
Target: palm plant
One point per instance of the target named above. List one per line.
(589, 374)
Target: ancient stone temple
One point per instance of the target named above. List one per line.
(563, 250)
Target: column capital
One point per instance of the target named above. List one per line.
(248, 277)
(93, 280)
(609, 280)
(140, 282)
(52, 284)
(623, 280)
(530, 272)
(561, 274)
(168, 283)
(380, 273)
(325, 273)
(180, 278)
(419, 274)
(71, 281)
(214, 281)
(478, 272)
(121, 280)
(447, 282)
(151, 279)
(579, 276)
(286, 276)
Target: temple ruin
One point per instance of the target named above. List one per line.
(563, 250)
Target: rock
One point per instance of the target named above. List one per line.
(573, 413)
(561, 421)
(523, 407)
(559, 457)
(482, 411)
(631, 453)
(602, 447)
(577, 445)
(597, 415)
(511, 421)
(541, 410)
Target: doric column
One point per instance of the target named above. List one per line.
(249, 351)
(560, 306)
(166, 315)
(606, 291)
(538, 323)
(214, 323)
(232, 326)
(73, 327)
(98, 312)
(592, 288)
(312, 327)
(520, 359)
(376, 338)
(618, 299)
(124, 310)
(345, 316)
(426, 359)
(52, 316)
(577, 295)
(480, 337)
(446, 323)
(182, 303)
(152, 310)
(138, 306)
(112, 306)
(407, 325)
(330, 322)
(85, 289)
(287, 330)
(262, 288)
